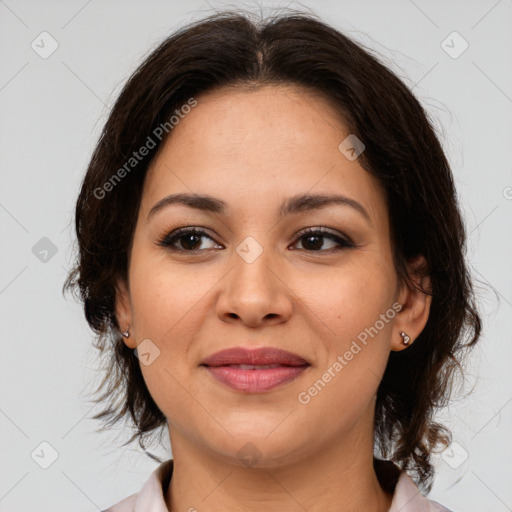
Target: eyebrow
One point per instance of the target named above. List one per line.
(295, 204)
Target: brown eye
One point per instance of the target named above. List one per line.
(314, 239)
(188, 240)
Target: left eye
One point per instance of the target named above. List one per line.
(312, 240)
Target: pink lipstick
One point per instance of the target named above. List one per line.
(255, 370)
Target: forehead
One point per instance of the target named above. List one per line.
(268, 143)
(231, 121)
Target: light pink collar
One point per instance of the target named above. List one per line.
(406, 497)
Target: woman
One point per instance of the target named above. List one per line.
(271, 253)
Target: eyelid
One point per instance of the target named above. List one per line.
(324, 231)
(343, 241)
(165, 240)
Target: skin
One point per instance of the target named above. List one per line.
(254, 149)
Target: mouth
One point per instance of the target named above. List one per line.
(255, 370)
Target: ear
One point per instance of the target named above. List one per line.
(123, 311)
(415, 311)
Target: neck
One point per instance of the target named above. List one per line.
(335, 478)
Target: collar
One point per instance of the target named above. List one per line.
(406, 496)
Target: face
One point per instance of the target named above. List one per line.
(254, 273)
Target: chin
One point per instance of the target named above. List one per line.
(254, 449)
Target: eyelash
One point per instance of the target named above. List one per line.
(169, 239)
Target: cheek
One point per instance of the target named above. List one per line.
(359, 315)
(167, 306)
(170, 302)
(347, 300)
(359, 312)
(165, 295)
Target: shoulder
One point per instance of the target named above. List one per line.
(406, 495)
(151, 495)
(407, 498)
(125, 505)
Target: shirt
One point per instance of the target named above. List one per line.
(406, 496)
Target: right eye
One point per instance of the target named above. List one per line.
(189, 238)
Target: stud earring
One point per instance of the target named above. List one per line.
(405, 338)
(126, 333)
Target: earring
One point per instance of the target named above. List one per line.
(405, 338)
(126, 333)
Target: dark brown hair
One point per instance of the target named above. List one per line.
(402, 152)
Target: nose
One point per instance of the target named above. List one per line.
(254, 293)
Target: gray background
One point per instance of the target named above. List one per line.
(52, 110)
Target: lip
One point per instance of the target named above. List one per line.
(230, 367)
